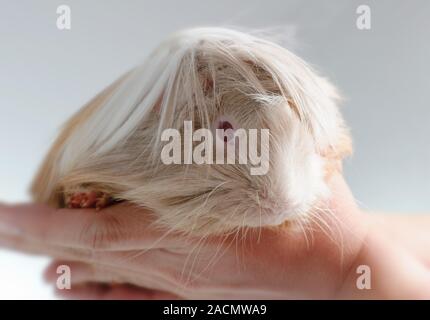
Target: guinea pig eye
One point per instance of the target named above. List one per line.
(228, 129)
(225, 125)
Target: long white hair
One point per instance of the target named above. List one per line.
(184, 78)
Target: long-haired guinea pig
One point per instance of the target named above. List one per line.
(110, 151)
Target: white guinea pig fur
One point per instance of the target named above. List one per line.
(112, 145)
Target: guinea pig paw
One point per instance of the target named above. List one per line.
(102, 201)
(74, 200)
(86, 200)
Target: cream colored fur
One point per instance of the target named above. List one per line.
(113, 144)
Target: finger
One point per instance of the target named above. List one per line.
(159, 270)
(119, 227)
(411, 231)
(81, 273)
(33, 247)
(97, 291)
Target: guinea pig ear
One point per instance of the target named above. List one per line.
(206, 78)
(207, 84)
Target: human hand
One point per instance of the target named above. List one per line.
(119, 245)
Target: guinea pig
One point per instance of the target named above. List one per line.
(110, 150)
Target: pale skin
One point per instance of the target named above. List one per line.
(118, 244)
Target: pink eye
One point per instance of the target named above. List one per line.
(225, 125)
